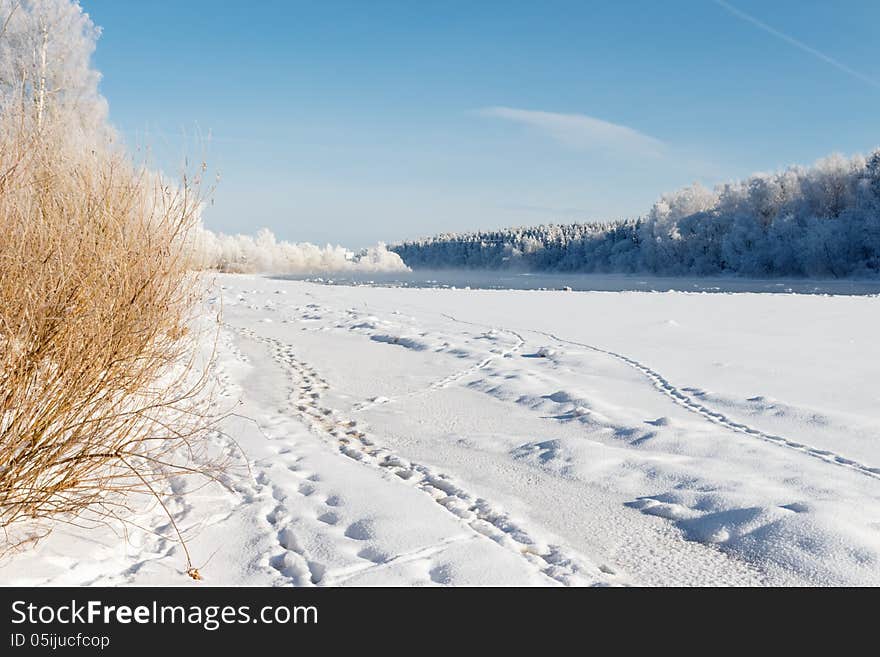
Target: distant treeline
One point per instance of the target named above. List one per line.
(820, 221)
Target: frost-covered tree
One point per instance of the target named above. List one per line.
(46, 74)
(822, 220)
(264, 253)
(662, 242)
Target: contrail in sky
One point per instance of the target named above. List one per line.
(797, 44)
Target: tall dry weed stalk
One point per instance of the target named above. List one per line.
(100, 394)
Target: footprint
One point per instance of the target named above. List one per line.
(291, 566)
(334, 500)
(330, 518)
(362, 530)
(441, 575)
(373, 554)
(306, 489)
(317, 571)
(276, 514)
(287, 540)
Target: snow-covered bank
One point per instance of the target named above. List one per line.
(435, 436)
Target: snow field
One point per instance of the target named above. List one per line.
(424, 437)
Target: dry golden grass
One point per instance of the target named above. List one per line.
(100, 396)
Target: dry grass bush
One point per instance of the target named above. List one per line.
(101, 391)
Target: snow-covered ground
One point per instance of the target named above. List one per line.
(435, 436)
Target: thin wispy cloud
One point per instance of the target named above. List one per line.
(579, 130)
(797, 44)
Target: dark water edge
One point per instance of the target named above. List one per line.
(502, 280)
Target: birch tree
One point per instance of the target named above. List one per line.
(46, 74)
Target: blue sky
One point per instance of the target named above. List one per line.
(353, 122)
